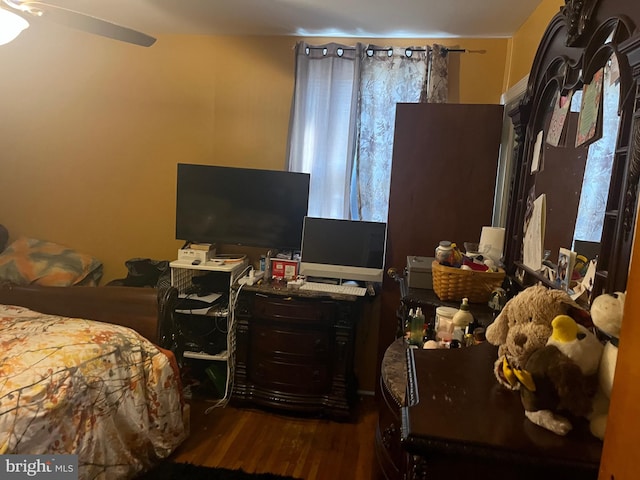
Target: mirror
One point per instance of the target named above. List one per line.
(598, 169)
(576, 179)
(585, 165)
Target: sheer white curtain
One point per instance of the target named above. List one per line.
(323, 121)
(343, 118)
(389, 76)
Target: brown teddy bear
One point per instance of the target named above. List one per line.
(524, 326)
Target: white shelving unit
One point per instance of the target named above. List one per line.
(182, 274)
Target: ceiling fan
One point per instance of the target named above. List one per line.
(26, 10)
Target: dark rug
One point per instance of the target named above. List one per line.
(187, 471)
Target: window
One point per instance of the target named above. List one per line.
(343, 118)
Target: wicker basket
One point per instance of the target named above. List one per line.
(451, 283)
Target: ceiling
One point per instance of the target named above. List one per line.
(307, 18)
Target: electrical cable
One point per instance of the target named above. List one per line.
(231, 345)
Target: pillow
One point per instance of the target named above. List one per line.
(30, 261)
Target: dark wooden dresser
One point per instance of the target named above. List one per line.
(460, 423)
(295, 351)
(390, 457)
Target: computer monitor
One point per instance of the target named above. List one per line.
(343, 249)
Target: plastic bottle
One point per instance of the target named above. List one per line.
(463, 317)
(444, 323)
(443, 252)
(267, 266)
(447, 253)
(409, 322)
(417, 328)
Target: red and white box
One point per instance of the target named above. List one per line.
(282, 269)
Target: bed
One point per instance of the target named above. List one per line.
(81, 373)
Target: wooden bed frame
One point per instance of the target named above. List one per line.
(146, 310)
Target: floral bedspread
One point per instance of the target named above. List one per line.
(97, 390)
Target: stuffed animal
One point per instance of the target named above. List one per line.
(524, 326)
(606, 313)
(560, 377)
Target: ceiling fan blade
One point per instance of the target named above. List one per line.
(87, 23)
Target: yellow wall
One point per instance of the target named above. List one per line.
(524, 43)
(92, 129)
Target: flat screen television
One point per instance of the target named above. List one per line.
(241, 206)
(343, 249)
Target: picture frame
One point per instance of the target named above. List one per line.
(557, 131)
(590, 116)
(564, 269)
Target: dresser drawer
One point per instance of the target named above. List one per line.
(294, 352)
(293, 311)
(289, 378)
(273, 340)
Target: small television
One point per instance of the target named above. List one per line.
(343, 249)
(241, 206)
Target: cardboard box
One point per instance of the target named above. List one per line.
(284, 269)
(419, 272)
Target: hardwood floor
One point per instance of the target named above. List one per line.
(266, 442)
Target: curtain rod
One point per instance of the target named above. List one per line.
(444, 50)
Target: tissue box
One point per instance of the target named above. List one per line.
(419, 272)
